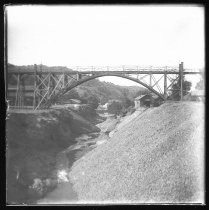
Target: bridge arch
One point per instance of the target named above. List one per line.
(81, 81)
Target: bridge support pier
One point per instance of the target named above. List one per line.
(165, 86)
(181, 69)
(53, 83)
(65, 80)
(150, 81)
(35, 85)
(79, 76)
(17, 98)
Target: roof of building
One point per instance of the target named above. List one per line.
(155, 96)
(102, 107)
(140, 97)
(76, 101)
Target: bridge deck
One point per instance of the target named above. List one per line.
(102, 72)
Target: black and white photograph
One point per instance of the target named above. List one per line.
(105, 104)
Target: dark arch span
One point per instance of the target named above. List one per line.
(81, 81)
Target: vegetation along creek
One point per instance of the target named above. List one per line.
(42, 148)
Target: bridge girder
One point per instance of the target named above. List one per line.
(94, 76)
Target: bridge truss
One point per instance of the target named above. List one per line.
(49, 85)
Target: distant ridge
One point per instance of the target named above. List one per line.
(40, 67)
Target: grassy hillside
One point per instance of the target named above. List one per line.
(106, 91)
(39, 67)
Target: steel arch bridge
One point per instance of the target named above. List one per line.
(50, 85)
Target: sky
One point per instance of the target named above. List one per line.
(106, 36)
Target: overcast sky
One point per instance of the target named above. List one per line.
(106, 35)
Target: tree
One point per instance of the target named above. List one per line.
(127, 102)
(93, 101)
(72, 94)
(115, 108)
(126, 99)
(200, 85)
(176, 91)
(103, 100)
(143, 91)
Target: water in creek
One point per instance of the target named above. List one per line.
(64, 192)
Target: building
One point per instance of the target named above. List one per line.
(101, 108)
(71, 101)
(143, 100)
(148, 100)
(105, 106)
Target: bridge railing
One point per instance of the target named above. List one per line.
(124, 68)
(194, 70)
(150, 68)
(108, 68)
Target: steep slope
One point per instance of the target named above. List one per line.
(157, 157)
